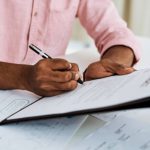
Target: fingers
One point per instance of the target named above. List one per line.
(55, 64)
(74, 67)
(58, 65)
(49, 93)
(56, 76)
(53, 76)
(67, 86)
(45, 71)
(105, 68)
(53, 88)
(59, 76)
(115, 68)
(125, 71)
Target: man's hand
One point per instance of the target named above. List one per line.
(46, 78)
(52, 77)
(117, 60)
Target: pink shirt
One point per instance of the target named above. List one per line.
(48, 24)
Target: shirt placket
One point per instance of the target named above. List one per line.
(34, 21)
(33, 30)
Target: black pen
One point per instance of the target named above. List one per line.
(44, 55)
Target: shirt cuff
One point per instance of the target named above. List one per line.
(134, 45)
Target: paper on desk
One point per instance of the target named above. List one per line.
(141, 115)
(12, 101)
(93, 94)
(50, 134)
(120, 134)
(108, 117)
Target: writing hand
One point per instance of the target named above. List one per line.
(51, 77)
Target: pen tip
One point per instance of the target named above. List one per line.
(80, 81)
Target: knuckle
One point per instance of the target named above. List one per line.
(44, 63)
(59, 60)
(74, 64)
(72, 85)
(66, 64)
(63, 62)
(75, 67)
(67, 76)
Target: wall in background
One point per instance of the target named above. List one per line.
(135, 12)
(139, 20)
(137, 15)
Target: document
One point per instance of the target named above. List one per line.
(136, 118)
(117, 92)
(94, 96)
(121, 133)
(49, 134)
(11, 101)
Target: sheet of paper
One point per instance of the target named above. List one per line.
(12, 101)
(93, 94)
(138, 117)
(107, 117)
(47, 134)
(89, 126)
(120, 134)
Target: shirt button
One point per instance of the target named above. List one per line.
(35, 14)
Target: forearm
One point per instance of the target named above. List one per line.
(121, 55)
(13, 76)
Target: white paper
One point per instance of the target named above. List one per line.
(12, 101)
(120, 134)
(140, 141)
(108, 117)
(50, 134)
(93, 94)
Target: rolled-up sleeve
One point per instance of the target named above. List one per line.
(103, 23)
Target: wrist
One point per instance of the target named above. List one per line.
(120, 54)
(25, 75)
(14, 76)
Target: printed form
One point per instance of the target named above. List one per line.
(99, 93)
(119, 132)
(49, 134)
(11, 101)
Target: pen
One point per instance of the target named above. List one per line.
(44, 55)
(39, 51)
